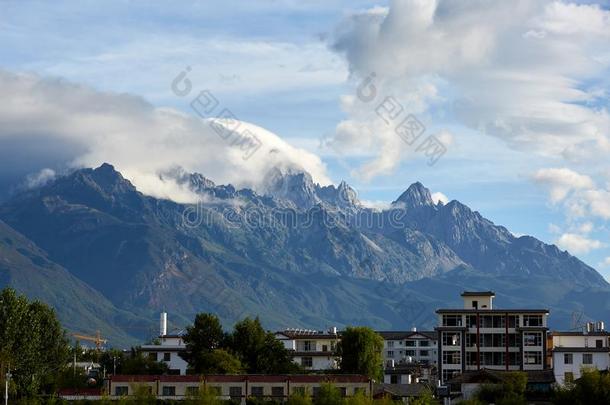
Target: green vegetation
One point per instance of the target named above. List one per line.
(249, 348)
(33, 346)
(360, 351)
(592, 388)
(510, 392)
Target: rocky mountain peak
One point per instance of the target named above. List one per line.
(417, 195)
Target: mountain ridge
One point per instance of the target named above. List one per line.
(314, 251)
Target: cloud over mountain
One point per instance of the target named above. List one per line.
(51, 122)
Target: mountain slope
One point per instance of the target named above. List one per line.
(299, 254)
(26, 268)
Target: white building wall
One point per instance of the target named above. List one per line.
(601, 361)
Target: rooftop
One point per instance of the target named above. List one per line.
(478, 294)
(296, 378)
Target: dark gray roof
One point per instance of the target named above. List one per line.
(486, 375)
(400, 335)
(491, 311)
(581, 349)
(478, 294)
(575, 333)
(399, 390)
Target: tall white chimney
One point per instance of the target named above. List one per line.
(163, 324)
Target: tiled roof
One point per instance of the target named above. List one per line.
(400, 335)
(562, 349)
(399, 390)
(297, 378)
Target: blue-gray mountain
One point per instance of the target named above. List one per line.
(295, 253)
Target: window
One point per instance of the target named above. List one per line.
(152, 356)
(587, 358)
(568, 358)
(316, 391)
(343, 391)
(409, 352)
(235, 392)
(324, 348)
(424, 343)
(169, 391)
(390, 344)
(452, 320)
(256, 391)
(167, 356)
(450, 339)
(449, 374)
(599, 343)
(390, 353)
(394, 379)
(121, 391)
(424, 353)
(532, 358)
(568, 377)
(306, 361)
(451, 357)
(277, 392)
(192, 391)
(532, 320)
(309, 346)
(410, 343)
(532, 339)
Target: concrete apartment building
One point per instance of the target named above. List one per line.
(314, 350)
(479, 336)
(235, 387)
(409, 356)
(573, 351)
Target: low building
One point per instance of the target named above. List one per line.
(465, 386)
(313, 350)
(573, 351)
(479, 336)
(235, 387)
(168, 349)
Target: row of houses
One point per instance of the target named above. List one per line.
(477, 341)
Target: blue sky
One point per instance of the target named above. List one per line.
(502, 95)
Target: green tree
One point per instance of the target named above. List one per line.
(218, 361)
(202, 338)
(259, 350)
(360, 351)
(138, 363)
(328, 395)
(299, 399)
(203, 396)
(592, 388)
(32, 343)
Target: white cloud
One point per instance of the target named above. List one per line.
(554, 228)
(439, 197)
(562, 181)
(514, 70)
(576, 244)
(605, 262)
(38, 179)
(139, 139)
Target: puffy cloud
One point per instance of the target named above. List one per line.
(529, 72)
(439, 197)
(575, 243)
(562, 181)
(139, 139)
(605, 262)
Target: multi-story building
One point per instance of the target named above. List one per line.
(573, 351)
(409, 347)
(314, 350)
(168, 349)
(236, 388)
(479, 336)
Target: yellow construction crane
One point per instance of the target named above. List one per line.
(97, 339)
